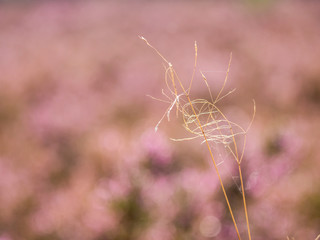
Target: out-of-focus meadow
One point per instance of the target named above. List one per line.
(79, 157)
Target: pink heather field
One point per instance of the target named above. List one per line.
(160, 120)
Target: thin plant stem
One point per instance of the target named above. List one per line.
(244, 202)
(206, 134)
(216, 168)
(208, 146)
(236, 155)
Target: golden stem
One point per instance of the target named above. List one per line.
(244, 201)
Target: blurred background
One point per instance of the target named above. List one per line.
(79, 157)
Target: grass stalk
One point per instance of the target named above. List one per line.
(202, 129)
(217, 170)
